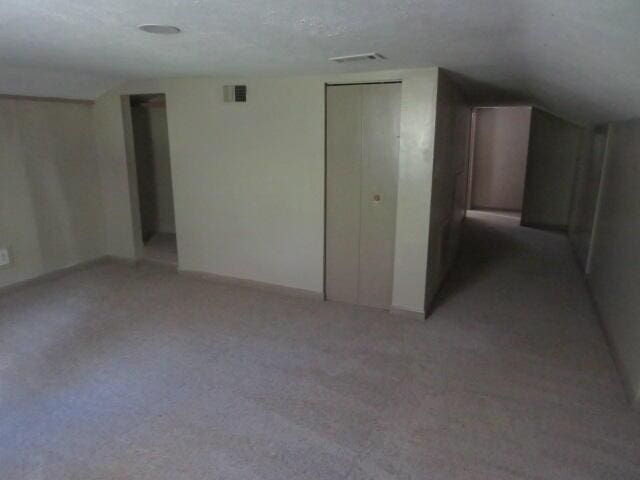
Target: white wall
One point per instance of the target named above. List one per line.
(249, 178)
(449, 186)
(615, 257)
(51, 213)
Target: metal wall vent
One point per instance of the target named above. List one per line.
(358, 58)
(235, 93)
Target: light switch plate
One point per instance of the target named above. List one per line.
(5, 259)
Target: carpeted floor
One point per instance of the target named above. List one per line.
(161, 248)
(118, 372)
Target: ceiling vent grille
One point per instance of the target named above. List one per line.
(235, 93)
(357, 58)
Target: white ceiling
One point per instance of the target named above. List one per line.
(580, 58)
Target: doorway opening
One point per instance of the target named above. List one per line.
(490, 235)
(362, 148)
(153, 177)
(498, 159)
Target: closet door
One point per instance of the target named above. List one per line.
(344, 154)
(363, 124)
(379, 187)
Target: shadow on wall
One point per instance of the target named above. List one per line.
(55, 210)
(145, 169)
(553, 149)
(50, 175)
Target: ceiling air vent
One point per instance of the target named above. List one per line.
(235, 93)
(358, 58)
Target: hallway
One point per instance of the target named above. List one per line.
(532, 375)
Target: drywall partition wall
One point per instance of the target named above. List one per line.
(551, 161)
(248, 178)
(614, 277)
(51, 214)
(585, 192)
(501, 142)
(449, 183)
(417, 133)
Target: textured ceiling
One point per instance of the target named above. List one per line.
(580, 58)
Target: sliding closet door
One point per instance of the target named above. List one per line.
(344, 154)
(363, 123)
(379, 186)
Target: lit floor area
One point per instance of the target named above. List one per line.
(499, 213)
(120, 372)
(161, 248)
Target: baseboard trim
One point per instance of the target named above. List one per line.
(242, 282)
(404, 312)
(61, 272)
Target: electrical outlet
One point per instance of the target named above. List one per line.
(5, 259)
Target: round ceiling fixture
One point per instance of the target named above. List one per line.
(159, 29)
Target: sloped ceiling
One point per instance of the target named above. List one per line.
(579, 58)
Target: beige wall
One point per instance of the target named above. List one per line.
(249, 178)
(448, 190)
(500, 144)
(551, 161)
(615, 256)
(51, 213)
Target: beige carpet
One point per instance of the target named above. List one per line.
(138, 373)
